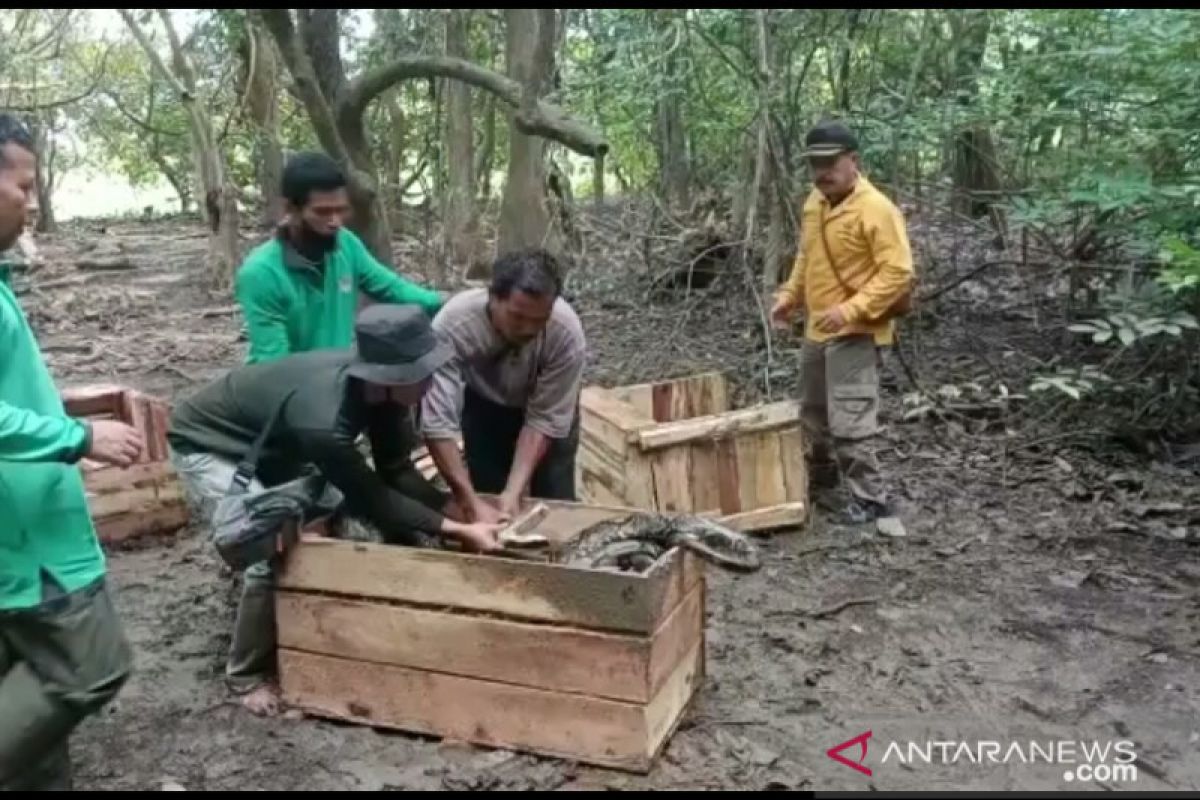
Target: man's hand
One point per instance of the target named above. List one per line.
(483, 511)
(114, 443)
(831, 321)
(476, 537)
(781, 312)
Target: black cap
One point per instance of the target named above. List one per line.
(396, 345)
(829, 139)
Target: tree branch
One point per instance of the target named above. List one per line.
(279, 22)
(66, 101)
(155, 59)
(546, 119)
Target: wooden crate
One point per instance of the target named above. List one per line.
(676, 446)
(145, 498)
(592, 666)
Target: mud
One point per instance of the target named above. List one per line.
(1039, 596)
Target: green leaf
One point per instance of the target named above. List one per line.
(1127, 336)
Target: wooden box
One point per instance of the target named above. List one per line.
(676, 446)
(142, 499)
(581, 664)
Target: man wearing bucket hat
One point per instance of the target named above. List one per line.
(852, 277)
(288, 417)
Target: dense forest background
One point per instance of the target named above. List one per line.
(1047, 160)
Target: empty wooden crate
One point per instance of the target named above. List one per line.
(142, 499)
(677, 446)
(592, 666)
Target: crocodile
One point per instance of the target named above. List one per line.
(634, 542)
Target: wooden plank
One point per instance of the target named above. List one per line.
(596, 487)
(676, 637)
(749, 420)
(134, 501)
(603, 461)
(601, 403)
(641, 397)
(769, 488)
(705, 478)
(86, 401)
(728, 476)
(520, 530)
(604, 732)
(662, 395)
(795, 471)
(639, 481)
(673, 478)
(109, 478)
(785, 515)
(669, 707)
(515, 589)
(613, 666)
(163, 519)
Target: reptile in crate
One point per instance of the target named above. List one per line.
(635, 542)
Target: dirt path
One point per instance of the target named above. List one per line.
(1048, 597)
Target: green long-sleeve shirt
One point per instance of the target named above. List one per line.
(44, 519)
(292, 305)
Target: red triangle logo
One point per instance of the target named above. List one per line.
(835, 753)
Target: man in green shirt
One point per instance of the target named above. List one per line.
(299, 291)
(63, 654)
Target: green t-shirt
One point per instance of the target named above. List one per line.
(292, 305)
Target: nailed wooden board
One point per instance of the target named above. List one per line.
(595, 730)
(748, 420)
(513, 589)
(559, 658)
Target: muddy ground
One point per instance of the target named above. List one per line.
(1042, 594)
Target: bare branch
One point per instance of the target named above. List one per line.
(155, 59)
(546, 119)
(279, 22)
(66, 101)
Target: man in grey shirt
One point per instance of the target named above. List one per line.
(511, 390)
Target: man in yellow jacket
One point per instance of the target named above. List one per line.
(853, 264)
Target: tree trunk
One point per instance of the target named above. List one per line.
(670, 136)
(461, 223)
(524, 218)
(337, 118)
(487, 151)
(976, 176)
(261, 78)
(219, 196)
(44, 142)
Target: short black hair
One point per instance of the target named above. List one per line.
(310, 172)
(532, 271)
(14, 131)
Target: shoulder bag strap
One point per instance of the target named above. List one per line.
(248, 466)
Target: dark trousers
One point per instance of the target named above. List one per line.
(490, 433)
(60, 662)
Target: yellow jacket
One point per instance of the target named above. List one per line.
(867, 235)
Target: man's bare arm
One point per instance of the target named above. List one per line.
(532, 446)
(449, 462)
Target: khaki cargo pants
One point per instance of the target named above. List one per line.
(840, 413)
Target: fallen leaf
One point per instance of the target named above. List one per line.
(1127, 479)
(1157, 658)
(1062, 464)
(1071, 579)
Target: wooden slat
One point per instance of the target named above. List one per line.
(705, 479)
(661, 402)
(109, 478)
(795, 472)
(749, 420)
(86, 401)
(540, 656)
(639, 481)
(769, 488)
(641, 397)
(162, 519)
(676, 637)
(673, 478)
(601, 403)
(728, 476)
(134, 501)
(785, 515)
(596, 487)
(595, 730)
(669, 707)
(515, 589)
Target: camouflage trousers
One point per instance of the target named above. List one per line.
(840, 414)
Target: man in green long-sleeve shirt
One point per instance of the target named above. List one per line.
(63, 655)
(299, 291)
